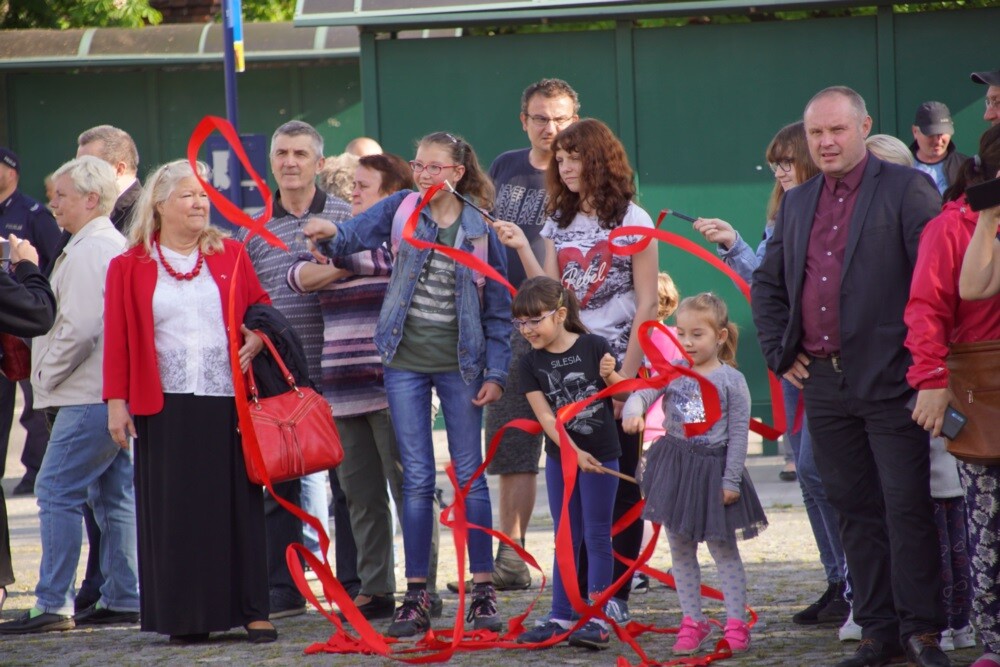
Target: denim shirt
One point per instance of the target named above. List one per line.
(483, 328)
(742, 259)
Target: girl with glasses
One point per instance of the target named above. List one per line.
(442, 326)
(567, 364)
(591, 190)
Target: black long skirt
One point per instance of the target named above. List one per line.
(202, 555)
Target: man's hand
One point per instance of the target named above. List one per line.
(798, 372)
(930, 408)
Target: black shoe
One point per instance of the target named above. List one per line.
(483, 609)
(261, 635)
(924, 651)
(25, 487)
(788, 476)
(380, 606)
(85, 598)
(412, 617)
(94, 615)
(835, 612)
(42, 623)
(282, 607)
(811, 614)
(873, 653)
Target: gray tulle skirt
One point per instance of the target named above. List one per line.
(682, 485)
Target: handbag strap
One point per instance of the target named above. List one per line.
(285, 373)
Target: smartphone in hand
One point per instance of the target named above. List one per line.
(953, 419)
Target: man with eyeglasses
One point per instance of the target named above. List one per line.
(991, 79)
(547, 107)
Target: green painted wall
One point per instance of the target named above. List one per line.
(159, 107)
(695, 106)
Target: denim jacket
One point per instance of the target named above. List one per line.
(742, 259)
(483, 328)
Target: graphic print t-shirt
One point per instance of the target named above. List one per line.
(601, 281)
(520, 199)
(568, 377)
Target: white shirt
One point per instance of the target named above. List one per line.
(191, 346)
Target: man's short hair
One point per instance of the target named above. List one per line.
(852, 96)
(297, 128)
(92, 174)
(550, 88)
(117, 146)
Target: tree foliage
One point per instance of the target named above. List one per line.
(61, 14)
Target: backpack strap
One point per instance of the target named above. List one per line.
(403, 213)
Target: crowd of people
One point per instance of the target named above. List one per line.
(862, 286)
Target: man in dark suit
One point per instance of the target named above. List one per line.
(828, 302)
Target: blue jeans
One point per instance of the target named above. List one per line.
(822, 517)
(83, 465)
(313, 497)
(409, 396)
(590, 516)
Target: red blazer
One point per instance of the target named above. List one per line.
(130, 367)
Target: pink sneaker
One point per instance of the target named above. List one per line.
(738, 635)
(691, 636)
(988, 660)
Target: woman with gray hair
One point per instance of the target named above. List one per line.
(82, 463)
(201, 522)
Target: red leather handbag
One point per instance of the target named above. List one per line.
(15, 363)
(295, 430)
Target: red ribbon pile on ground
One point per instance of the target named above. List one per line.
(439, 646)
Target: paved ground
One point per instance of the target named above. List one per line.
(782, 565)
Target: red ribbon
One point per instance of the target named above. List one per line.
(439, 646)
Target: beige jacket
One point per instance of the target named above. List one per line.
(66, 363)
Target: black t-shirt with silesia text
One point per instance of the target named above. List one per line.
(569, 377)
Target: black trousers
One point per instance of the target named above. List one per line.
(874, 461)
(33, 421)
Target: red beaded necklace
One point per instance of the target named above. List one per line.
(171, 270)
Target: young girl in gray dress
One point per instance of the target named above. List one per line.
(697, 488)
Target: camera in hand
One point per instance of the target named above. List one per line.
(983, 196)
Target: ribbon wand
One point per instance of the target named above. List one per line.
(458, 194)
(680, 215)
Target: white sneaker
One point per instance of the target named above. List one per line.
(964, 637)
(947, 642)
(850, 631)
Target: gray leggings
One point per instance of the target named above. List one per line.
(687, 575)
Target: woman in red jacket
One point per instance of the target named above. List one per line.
(937, 317)
(200, 522)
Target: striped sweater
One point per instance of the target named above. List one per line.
(351, 365)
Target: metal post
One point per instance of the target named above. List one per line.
(232, 107)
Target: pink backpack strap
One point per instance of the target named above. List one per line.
(403, 213)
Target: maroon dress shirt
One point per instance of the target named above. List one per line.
(825, 262)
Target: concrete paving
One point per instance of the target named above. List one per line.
(782, 565)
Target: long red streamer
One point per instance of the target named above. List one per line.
(441, 646)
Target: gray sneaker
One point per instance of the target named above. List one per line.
(483, 612)
(617, 611)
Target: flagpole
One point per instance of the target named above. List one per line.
(231, 19)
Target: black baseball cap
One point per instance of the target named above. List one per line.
(934, 118)
(9, 158)
(987, 78)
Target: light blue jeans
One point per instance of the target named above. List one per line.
(409, 396)
(82, 464)
(823, 518)
(314, 501)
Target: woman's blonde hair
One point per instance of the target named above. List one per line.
(146, 219)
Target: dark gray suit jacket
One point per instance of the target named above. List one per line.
(893, 205)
